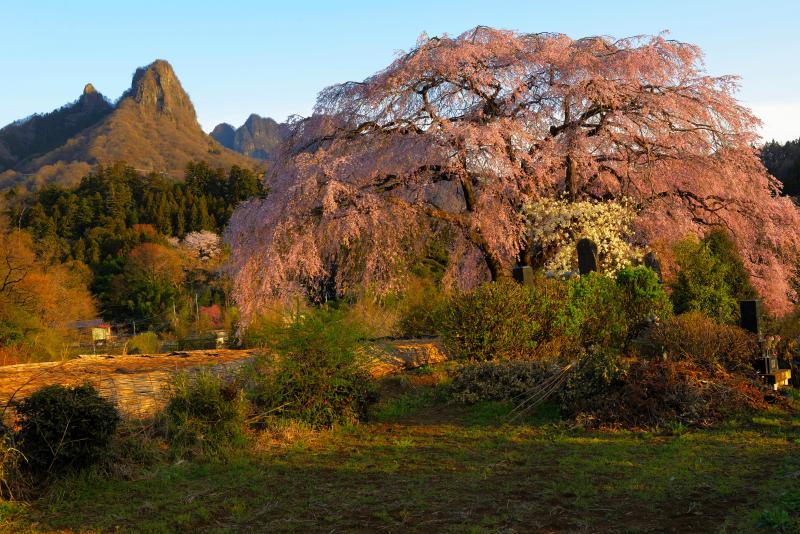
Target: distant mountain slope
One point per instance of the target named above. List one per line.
(38, 134)
(153, 127)
(783, 162)
(258, 137)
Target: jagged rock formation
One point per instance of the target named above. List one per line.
(153, 127)
(259, 137)
(225, 134)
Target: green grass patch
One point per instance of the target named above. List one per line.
(421, 464)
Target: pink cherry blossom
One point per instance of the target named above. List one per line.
(460, 132)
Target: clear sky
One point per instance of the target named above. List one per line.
(238, 57)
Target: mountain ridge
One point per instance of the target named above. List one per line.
(259, 137)
(152, 127)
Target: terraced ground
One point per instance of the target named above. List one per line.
(137, 383)
(422, 465)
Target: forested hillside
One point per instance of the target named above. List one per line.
(783, 162)
(146, 247)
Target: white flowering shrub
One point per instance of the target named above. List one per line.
(203, 245)
(556, 226)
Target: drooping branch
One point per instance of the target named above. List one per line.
(465, 130)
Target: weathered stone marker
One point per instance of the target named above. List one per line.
(523, 274)
(587, 256)
(750, 316)
(651, 262)
(766, 363)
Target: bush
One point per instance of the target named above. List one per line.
(595, 372)
(319, 375)
(499, 321)
(204, 412)
(698, 339)
(495, 381)
(595, 313)
(643, 298)
(63, 428)
(421, 308)
(711, 278)
(9, 462)
(144, 343)
(658, 393)
(554, 319)
(376, 314)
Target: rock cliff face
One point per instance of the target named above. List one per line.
(153, 127)
(225, 134)
(155, 90)
(259, 137)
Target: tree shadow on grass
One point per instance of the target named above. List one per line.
(445, 475)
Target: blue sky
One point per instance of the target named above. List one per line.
(240, 57)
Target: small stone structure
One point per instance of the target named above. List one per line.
(766, 364)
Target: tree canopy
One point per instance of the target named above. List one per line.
(460, 132)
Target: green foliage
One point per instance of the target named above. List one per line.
(421, 308)
(205, 413)
(144, 343)
(643, 297)
(711, 277)
(151, 282)
(595, 372)
(721, 245)
(496, 321)
(495, 381)
(701, 340)
(115, 208)
(64, 428)
(319, 376)
(505, 320)
(595, 312)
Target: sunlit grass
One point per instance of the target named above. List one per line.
(424, 465)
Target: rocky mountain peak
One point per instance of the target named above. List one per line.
(157, 90)
(225, 134)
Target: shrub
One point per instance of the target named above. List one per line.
(596, 371)
(711, 277)
(659, 393)
(721, 245)
(9, 462)
(62, 428)
(421, 308)
(144, 343)
(554, 319)
(495, 381)
(205, 412)
(595, 313)
(319, 375)
(643, 298)
(377, 315)
(497, 321)
(696, 338)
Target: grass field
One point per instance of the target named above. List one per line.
(425, 466)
